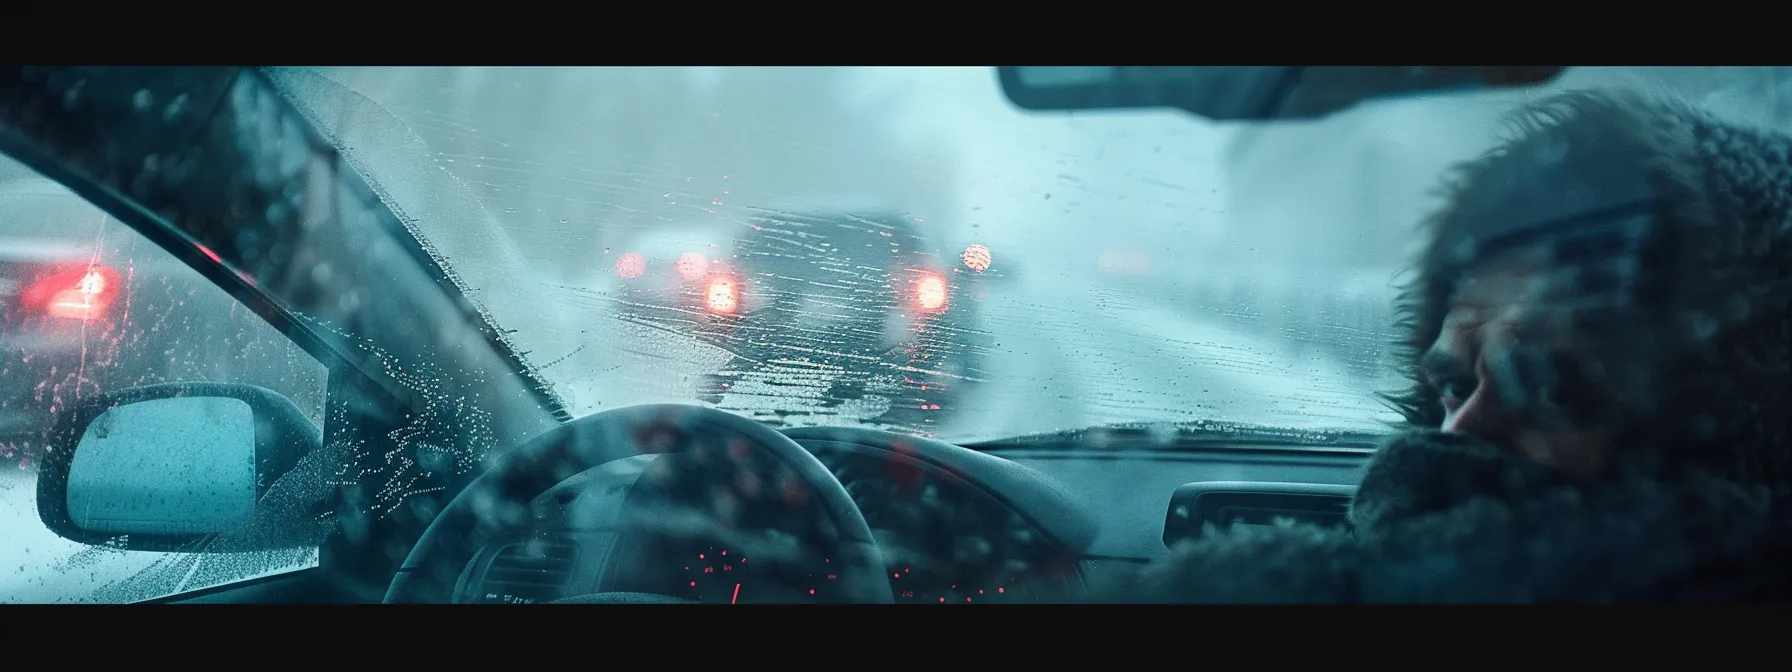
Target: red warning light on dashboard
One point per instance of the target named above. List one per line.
(631, 266)
(977, 258)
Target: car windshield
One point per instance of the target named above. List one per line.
(901, 248)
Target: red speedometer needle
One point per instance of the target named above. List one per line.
(736, 598)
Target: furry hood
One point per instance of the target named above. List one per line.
(1680, 224)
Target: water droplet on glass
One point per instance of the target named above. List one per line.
(176, 109)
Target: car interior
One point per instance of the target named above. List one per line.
(402, 495)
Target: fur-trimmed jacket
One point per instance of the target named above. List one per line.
(1691, 217)
(1439, 519)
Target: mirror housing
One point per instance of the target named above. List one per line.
(172, 467)
(1247, 93)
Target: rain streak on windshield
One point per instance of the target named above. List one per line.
(884, 247)
(896, 248)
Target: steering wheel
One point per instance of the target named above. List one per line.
(500, 500)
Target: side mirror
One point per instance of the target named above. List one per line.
(170, 467)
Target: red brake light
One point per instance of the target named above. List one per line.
(976, 258)
(691, 266)
(631, 265)
(722, 295)
(75, 294)
(930, 292)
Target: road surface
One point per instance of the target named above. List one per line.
(38, 567)
(1055, 354)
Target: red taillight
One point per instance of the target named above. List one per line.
(75, 294)
(631, 265)
(976, 258)
(722, 295)
(930, 292)
(691, 266)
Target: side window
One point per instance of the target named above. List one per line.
(87, 305)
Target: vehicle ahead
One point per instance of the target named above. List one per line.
(54, 291)
(862, 307)
(68, 289)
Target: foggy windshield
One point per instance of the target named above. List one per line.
(901, 248)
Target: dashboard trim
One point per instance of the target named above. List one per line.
(1191, 505)
(1037, 498)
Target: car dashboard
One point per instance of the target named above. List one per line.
(954, 525)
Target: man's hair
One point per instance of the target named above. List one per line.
(1681, 226)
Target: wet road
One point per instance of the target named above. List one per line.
(1046, 359)
(1108, 353)
(38, 567)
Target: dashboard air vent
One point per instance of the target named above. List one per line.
(527, 572)
(1223, 504)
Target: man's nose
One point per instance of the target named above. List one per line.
(1481, 414)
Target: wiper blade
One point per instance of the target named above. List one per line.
(1172, 435)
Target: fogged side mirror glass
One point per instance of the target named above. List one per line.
(182, 465)
(166, 467)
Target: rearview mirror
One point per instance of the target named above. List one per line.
(1247, 93)
(167, 467)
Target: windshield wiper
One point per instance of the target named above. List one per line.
(1197, 434)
